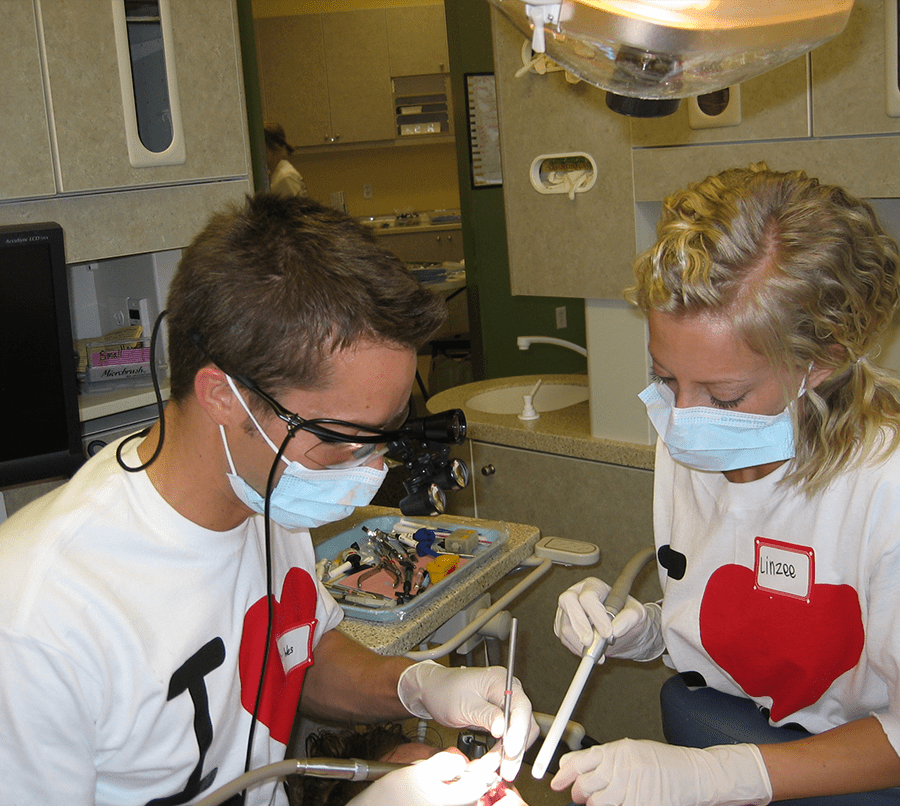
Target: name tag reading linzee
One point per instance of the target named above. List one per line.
(295, 647)
(784, 568)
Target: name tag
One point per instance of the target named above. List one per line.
(784, 568)
(295, 647)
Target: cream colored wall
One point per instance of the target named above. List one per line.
(419, 177)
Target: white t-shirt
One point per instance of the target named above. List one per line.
(131, 645)
(286, 180)
(791, 601)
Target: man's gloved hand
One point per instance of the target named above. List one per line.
(636, 628)
(471, 698)
(637, 773)
(446, 779)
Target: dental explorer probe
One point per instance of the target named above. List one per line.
(352, 769)
(614, 602)
(507, 694)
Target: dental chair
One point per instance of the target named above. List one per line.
(694, 715)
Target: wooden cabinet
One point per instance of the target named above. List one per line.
(327, 78)
(293, 80)
(417, 40)
(561, 247)
(849, 87)
(63, 125)
(27, 167)
(608, 505)
(82, 72)
(425, 246)
(359, 79)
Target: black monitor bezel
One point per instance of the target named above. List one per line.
(65, 461)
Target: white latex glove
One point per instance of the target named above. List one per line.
(637, 773)
(471, 698)
(636, 629)
(446, 779)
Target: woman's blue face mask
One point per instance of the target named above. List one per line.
(705, 438)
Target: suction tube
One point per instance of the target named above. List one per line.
(353, 769)
(614, 602)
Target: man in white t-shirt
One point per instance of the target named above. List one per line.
(142, 603)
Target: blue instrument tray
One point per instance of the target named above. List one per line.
(490, 542)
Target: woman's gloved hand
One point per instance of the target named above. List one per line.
(637, 773)
(446, 779)
(471, 698)
(636, 628)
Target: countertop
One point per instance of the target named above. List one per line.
(388, 224)
(397, 637)
(564, 432)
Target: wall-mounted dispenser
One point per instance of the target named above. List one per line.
(563, 173)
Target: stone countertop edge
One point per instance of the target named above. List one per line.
(403, 635)
(564, 432)
(406, 228)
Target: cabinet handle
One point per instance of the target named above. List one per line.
(488, 470)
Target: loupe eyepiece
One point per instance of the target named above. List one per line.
(453, 476)
(430, 500)
(448, 427)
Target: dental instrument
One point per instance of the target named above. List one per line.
(353, 769)
(507, 694)
(614, 602)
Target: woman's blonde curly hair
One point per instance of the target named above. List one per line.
(810, 278)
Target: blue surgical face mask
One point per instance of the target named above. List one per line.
(706, 438)
(305, 498)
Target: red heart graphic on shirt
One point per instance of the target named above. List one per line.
(281, 691)
(776, 645)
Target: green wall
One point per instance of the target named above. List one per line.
(497, 317)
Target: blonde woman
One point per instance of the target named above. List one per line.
(776, 505)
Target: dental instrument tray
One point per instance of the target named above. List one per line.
(373, 587)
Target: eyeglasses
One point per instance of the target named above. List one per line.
(353, 446)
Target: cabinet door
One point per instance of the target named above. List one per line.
(417, 40)
(425, 247)
(27, 166)
(562, 247)
(293, 81)
(359, 81)
(88, 113)
(848, 76)
(580, 500)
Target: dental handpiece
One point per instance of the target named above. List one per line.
(614, 602)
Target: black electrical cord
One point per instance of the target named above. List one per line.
(270, 486)
(154, 338)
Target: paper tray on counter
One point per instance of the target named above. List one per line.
(490, 543)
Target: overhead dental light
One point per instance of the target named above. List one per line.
(648, 54)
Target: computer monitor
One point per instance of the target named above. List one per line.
(38, 386)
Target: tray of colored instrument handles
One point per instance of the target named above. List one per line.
(386, 567)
